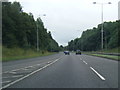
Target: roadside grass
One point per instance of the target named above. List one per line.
(107, 56)
(114, 50)
(18, 53)
(95, 53)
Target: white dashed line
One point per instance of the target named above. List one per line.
(29, 74)
(85, 62)
(97, 73)
(80, 59)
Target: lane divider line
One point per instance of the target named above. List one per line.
(97, 73)
(80, 58)
(29, 74)
(85, 62)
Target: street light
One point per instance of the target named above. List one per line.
(38, 34)
(80, 41)
(102, 21)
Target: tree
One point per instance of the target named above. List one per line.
(20, 29)
(91, 38)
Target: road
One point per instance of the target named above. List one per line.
(61, 71)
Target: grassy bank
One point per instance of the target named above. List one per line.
(18, 53)
(115, 50)
(107, 56)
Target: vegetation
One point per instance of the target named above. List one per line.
(107, 56)
(19, 34)
(91, 38)
(11, 54)
(19, 29)
(114, 50)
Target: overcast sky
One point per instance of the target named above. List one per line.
(67, 19)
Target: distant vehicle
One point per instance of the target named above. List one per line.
(67, 52)
(78, 52)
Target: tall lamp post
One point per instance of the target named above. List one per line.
(102, 43)
(38, 34)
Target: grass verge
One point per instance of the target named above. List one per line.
(95, 53)
(18, 53)
(107, 56)
(114, 50)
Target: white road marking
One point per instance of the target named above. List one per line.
(85, 62)
(17, 76)
(13, 76)
(25, 69)
(6, 82)
(97, 73)
(29, 74)
(49, 61)
(12, 72)
(21, 68)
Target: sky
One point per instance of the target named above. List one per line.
(67, 19)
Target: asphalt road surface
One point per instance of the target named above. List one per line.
(61, 71)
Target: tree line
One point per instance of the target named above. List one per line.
(19, 29)
(90, 39)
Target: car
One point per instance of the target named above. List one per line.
(66, 52)
(78, 52)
